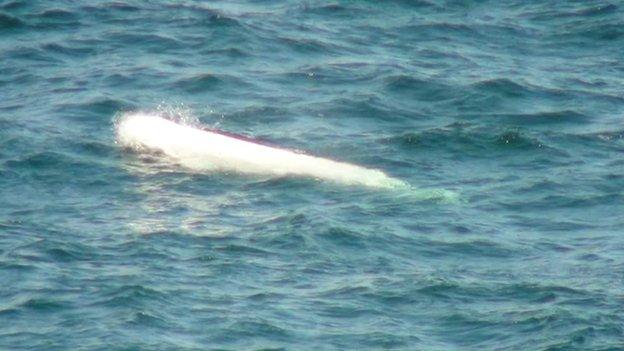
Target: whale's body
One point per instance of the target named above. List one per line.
(202, 150)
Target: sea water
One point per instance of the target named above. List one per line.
(515, 107)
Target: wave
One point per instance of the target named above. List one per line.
(337, 73)
(13, 5)
(150, 42)
(443, 28)
(131, 295)
(31, 54)
(229, 52)
(93, 109)
(592, 11)
(546, 117)
(603, 140)
(407, 3)
(307, 45)
(58, 14)
(599, 10)
(114, 12)
(470, 140)
(54, 19)
(209, 82)
(40, 160)
(326, 11)
(601, 32)
(420, 89)
(121, 6)
(10, 22)
(502, 86)
(67, 50)
(367, 107)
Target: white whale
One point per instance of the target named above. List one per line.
(201, 150)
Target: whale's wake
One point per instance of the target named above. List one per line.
(201, 150)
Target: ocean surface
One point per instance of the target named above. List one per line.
(516, 107)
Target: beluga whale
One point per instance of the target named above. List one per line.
(202, 150)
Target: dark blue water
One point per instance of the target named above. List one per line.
(516, 106)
